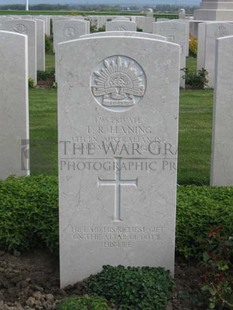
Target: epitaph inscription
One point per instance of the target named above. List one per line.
(118, 83)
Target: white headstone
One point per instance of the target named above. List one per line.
(212, 32)
(122, 18)
(193, 27)
(46, 19)
(101, 21)
(26, 27)
(40, 26)
(175, 32)
(145, 23)
(186, 21)
(66, 30)
(126, 33)
(149, 12)
(222, 134)
(182, 14)
(118, 117)
(14, 124)
(201, 46)
(121, 25)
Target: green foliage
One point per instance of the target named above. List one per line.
(133, 288)
(31, 83)
(83, 303)
(101, 29)
(218, 263)
(29, 213)
(45, 75)
(199, 209)
(93, 28)
(48, 45)
(195, 81)
(192, 46)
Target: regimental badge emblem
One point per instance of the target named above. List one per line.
(221, 32)
(70, 32)
(118, 83)
(20, 28)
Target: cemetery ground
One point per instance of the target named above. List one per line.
(29, 277)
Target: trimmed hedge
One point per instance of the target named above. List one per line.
(133, 288)
(29, 214)
(199, 209)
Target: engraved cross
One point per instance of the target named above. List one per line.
(117, 182)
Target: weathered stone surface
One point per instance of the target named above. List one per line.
(14, 127)
(213, 31)
(201, 46)
(40, 26)
(121, 25)
(127, 33)
(66, 30)
(222, 134)
(145, 23)
(118, 117)
(175, 32)
(26, 27)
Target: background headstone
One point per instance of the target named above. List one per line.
(126, 33)
(121, 25)
(175, 32)
(182, 14)
(26, 27)
(66, 30)
(212, 32)
(222, 134)
(14, 124)
(40, 29)
(201, 46)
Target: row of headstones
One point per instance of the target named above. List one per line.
(173, 31)
(117, 199)
(35, 29)
(65, 30)
(208, 32)
(117, 144)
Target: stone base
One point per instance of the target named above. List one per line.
(214, 15)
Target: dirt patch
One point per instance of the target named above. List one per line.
(31, 281)
(47, 83)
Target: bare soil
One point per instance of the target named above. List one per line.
(31, 281)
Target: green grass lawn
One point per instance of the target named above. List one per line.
(50, 62)
(191, 64)
(195, 124)
(43, 131)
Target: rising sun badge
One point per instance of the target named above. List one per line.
(118, 83)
